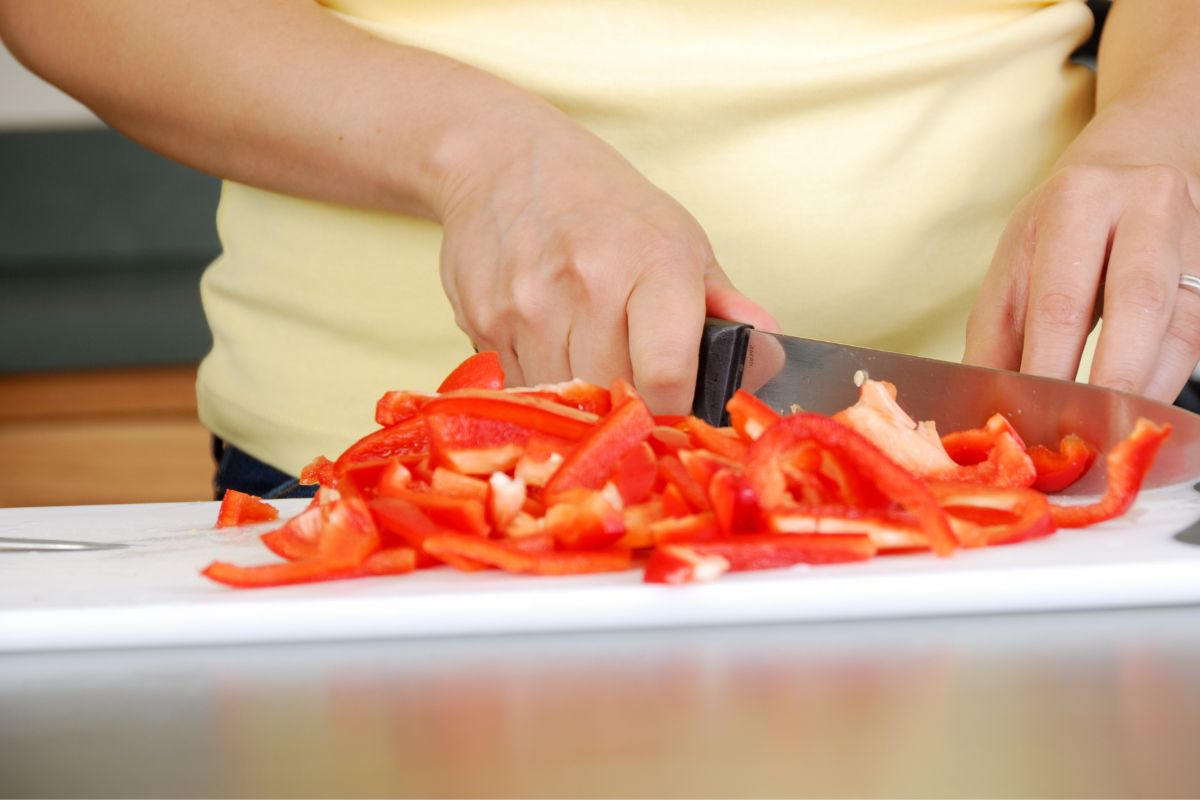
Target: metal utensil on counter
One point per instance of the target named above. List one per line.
(10, 544)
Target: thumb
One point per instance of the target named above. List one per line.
(723, 301)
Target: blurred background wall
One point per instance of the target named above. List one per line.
(101, 248)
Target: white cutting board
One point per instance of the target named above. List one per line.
(152, 594)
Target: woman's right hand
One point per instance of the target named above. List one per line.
(562, 257)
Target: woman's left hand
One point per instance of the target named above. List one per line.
(1097, 241)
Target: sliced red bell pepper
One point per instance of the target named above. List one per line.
(638, 519)
(1126, 466)
(673, 472)
(391, 561)
(239, 508)
(890, 530)
(716, 441)
(590, 465)
(987, 515)
(404, 523)
(692, 528)
(1058, 470)
(766, 477)
(1007, 466)
(480, 371)
(400, 406)
(584, 520)
(349, 534)
(734, 505)
(670, 563)
(667, 441)
(505, 556)
(265, 575)
(577, 394)
(749, 415)
(534, 414)
(506, 498)
(462, 514)
(635, 474)
(973, 445)
(407, 438)
(298, 537)
(450, 483)
(317, 471)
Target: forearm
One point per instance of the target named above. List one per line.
(274, 93)
(1148, 92)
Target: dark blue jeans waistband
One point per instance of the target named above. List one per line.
(245, 473)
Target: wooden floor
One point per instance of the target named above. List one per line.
(104, 436)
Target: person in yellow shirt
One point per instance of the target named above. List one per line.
(574, 184)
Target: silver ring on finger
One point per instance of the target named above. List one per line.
(1189, 281)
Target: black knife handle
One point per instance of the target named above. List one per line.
(722, 358)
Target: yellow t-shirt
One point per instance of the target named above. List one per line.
(853, 163)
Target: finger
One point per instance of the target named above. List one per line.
(996, 326)
(723, 301)
(1072, 240)
(1180, 349)
(1140, 292)
(599, 352)
(539, 322)
(666, 317)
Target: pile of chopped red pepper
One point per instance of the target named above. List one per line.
(575, 478)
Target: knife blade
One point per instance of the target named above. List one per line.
(787, 371)
(12, 544)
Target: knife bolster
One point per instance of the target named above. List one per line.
(723, 348)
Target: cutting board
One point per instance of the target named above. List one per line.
(151, 593)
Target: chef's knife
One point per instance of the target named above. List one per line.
(787, 371)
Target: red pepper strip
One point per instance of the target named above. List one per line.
(511, 559)
(400, 519)
(753, 551)
(275, 574)
(889, 530)
(475, 446)
(396, 477)
(673, 471)
(638, 519)
(1007, 466)
(239, 508)
(284, 546)
(577, 394)
(766, 477)
(1127, 464)
(463, 514)
(532, 413)
(535, 543)
(733, 503)
(1058, 470)
(673, 504)
(667, 441)
(749, 415)
(506, 498)
(543, 456)
(297, 539)
(585, 520)
(621, 392)
(480, 371)
(701, 465)
(692, 528)
(349, 535)
(392, 561)
(635, 474)
(670, 420)
(448, 482)
(986, 515)
(603, 448)
(973, 445)
(319, 470)
(407, 438)
(712, 439)
(400, 406)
